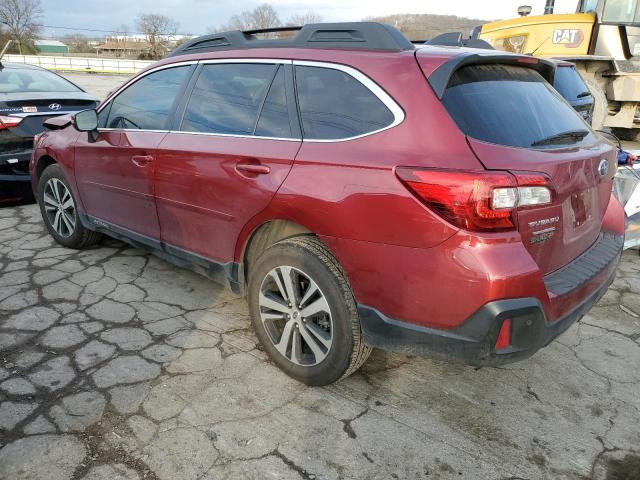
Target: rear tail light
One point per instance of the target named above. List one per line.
(9, 122)
(477, 200)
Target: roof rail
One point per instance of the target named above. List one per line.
(347, 35)
(455, 39)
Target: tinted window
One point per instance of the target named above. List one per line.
(24, 80)
(335, 105)
(274, 118)
(509, 105)
(621, 11)
(147, 103)
(227, 98)
(568, 82)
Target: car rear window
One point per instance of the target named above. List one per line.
(18, 80)
(510, 105)
(568, 82)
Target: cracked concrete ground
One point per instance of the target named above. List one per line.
(117, 365)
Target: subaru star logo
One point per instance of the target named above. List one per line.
(603, 168)
(55, 106)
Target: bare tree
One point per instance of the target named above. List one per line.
(21, 18)
(77, 43)
(263, 16)
(159, 31)
(304, 18)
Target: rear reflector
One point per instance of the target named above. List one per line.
(504, 336)
(9, 122)
(477, 200)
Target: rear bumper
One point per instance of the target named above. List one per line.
(473, 342)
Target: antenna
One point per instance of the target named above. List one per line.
(6, 47)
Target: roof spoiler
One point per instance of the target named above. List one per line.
(347, 35)
(439, 78)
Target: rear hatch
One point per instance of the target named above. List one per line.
(515, 121)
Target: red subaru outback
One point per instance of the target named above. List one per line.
(361, 192)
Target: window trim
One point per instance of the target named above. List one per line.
(133, 81)
(373, 87)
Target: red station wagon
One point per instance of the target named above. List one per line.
(360, 192)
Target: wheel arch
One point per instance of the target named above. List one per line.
(43, 162)
(257, 238)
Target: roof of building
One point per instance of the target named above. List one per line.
(49, 43)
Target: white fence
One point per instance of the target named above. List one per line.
(79, 64)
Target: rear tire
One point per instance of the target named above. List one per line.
(58, 207)
(318, 340)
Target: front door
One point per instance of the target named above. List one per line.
(230, 154)
(114, 171)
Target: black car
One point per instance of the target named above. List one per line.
(28, 96)
(568, 82)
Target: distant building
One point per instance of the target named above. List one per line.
(51, 46)
(123, 46)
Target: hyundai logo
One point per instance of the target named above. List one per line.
(603, 168)
(55, 106)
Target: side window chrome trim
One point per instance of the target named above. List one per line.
(232, 135)
(270, 61)
(384, 97)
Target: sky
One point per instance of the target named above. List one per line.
(196, 16)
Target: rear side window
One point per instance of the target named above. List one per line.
(227, 98)
(334, 105)
(274, 118)
(569, 83)
(148, 103)
(510, 105)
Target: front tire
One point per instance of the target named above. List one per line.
(304, 313)
(59, 210)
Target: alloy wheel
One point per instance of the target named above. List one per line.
(59, 207)
(296, 316)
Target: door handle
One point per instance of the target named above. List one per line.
(252, 168)
(142, 160)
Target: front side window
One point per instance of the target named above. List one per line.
(148, 103)
(513, 106)
(227, 98)
(334, 105)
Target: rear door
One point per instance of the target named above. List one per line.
(514, 120)
(227, 155)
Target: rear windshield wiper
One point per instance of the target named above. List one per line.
(559, 138)
(586, 93)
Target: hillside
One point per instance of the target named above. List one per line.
(425, 26)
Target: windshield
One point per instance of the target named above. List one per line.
(15, 80)
(621, 11)
(513, 106)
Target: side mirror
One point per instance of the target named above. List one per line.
(86, 121)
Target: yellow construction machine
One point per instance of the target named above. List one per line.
(602, 38)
